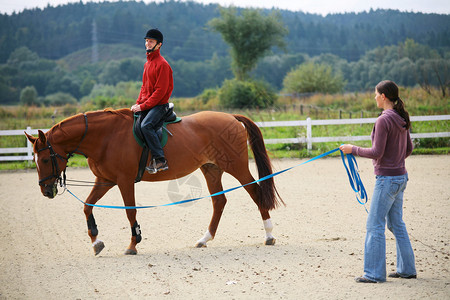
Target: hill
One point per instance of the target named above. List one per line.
(55, 32)
(71, 50)
(104, 54)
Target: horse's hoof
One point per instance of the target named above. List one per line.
(200, 245)
(98, 246)
(130, 252)
(270, 241)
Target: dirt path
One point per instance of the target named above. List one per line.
(46, 253)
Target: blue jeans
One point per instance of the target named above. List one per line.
(387, 205)
(153, 121)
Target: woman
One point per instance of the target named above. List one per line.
(391, 144)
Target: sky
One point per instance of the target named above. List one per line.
(322, 7)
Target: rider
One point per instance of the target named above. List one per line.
(157, 86)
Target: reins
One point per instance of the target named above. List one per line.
(88, 183)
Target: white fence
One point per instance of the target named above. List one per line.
(309, 139)
(28, 150)
(308, 123)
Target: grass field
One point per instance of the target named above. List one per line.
(316, 107)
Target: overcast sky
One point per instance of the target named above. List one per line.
(322, 7)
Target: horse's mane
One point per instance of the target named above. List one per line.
(122, 112)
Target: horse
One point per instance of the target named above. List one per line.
(215, 142)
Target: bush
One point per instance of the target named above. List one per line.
(246, 94)
(59, 99)
(313, 78)
(28, 96)
(207, 95)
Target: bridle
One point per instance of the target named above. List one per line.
(56, 173)
(55, 168)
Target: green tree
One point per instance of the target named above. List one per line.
(124, 70)
(87, 86)
(8, 92)
(273, 68)
(65, 83)
(28, 96)
(415, 51)
(22, 54)
(250, 36)
(311, 78)
(433, 72)
(59, 99)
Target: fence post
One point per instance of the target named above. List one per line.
(29, 145)
(308, 134)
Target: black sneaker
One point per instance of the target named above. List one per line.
(363, 279)
(157, 165)
(397, 275)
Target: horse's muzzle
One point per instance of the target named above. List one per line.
(50, 191)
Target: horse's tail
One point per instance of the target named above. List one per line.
(268, 194)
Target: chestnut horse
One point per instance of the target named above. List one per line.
(215, 142)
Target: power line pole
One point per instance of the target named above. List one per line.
(94, 42)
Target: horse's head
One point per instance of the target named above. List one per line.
(49, 163)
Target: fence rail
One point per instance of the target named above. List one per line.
(309, 139)
(28, 150)
(308, 123)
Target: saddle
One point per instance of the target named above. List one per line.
(169, 118)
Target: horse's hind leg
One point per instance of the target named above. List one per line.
(98, 191)
(244, 177)
(213, 175)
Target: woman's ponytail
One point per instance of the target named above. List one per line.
(390, 90)
(399, 107)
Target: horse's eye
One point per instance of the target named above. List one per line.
(45, 160)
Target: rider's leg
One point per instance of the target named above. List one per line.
(151, 123)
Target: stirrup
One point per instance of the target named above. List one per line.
(156, 167)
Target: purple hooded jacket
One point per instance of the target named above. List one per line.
(391, 144)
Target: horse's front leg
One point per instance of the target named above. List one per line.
(127, 191)
(213, 176)
(98, 191)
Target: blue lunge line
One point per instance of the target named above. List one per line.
(355, 180)
(356, 185)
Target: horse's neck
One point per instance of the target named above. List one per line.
(73, 134)
(68, 133)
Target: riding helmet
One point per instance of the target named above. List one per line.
(154, 34)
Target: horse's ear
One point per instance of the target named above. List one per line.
(31, 138)
(42, 136)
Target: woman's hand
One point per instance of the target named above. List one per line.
(347, 148)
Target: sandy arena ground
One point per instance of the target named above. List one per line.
(46, 253)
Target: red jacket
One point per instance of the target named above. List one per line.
(157, 82)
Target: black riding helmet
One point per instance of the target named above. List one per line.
(155, 34)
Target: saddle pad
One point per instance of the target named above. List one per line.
(162, 133)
